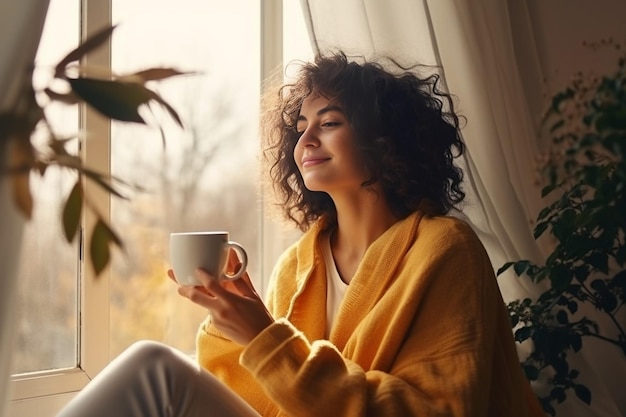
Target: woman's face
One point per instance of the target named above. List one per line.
(326, 152)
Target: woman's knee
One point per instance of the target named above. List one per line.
(145, 354)
(151, 363)
(148, 353)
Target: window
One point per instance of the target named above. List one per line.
(205, 178)
(42, 255)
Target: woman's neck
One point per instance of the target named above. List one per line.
(360, 221)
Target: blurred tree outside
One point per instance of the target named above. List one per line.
(204, 179)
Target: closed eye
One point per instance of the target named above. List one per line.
(331, 124)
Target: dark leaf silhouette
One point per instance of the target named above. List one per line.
(91, 43)
(72, 211)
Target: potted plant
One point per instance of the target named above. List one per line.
(585, 174)
(117, 97)
(22, 155)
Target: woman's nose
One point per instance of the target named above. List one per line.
(308, 138)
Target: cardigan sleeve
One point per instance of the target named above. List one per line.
(314, 379)
(220, 356)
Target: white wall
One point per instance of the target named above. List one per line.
(561, 26)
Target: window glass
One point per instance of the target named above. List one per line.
(48, 275)
(205, 176)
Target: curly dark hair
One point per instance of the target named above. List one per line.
(406, 130)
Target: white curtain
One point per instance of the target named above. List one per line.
(498, 133)
(21, 24)
(477, 46)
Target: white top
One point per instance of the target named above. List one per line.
(335, 287)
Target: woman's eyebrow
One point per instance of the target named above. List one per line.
(323, 110)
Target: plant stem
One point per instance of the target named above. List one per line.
(607, 339)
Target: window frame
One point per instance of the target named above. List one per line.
(44, 393)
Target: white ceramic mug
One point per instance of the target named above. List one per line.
(206, 250)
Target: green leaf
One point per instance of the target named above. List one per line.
(608, 302)
(544, 212)
(576, 342)
(543, 273)
(598, 285)
(520, 267)
(581, 273)
(547, 190)
(531, 372)
(572, 306)
(558, 124)
(562, 301)
(99, 247)
(547, 407)
(614, 143)
(600, 261)
(169, 108)
(119, 101)
(583, 393)
(88, 45)
(560, 276)
(620, 255)
(539, 229)
(102, 181)
(561, 97)
(504, 267)
(21, 159)
(558, 394)
(102, 237)
(561, 317)
(151, 74)
(546, 297)
(523, 333)
(22, 195)
(619, 279)
(560, 366)
(67, 98)
(72, 211)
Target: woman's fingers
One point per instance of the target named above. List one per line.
(210, 283)
(200, 296)
(233, 260)
(233, 264)
(206, 294)
(235, 307)
(170, 273)
(245, 287)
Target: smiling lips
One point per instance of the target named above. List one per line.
(309, 161)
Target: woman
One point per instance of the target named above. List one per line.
(384, 307)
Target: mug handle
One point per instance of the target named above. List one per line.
(243, 257)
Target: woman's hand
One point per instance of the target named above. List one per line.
(235, 307)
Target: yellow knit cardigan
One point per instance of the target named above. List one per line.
(422, 331)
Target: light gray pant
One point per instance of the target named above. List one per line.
(151, 379)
